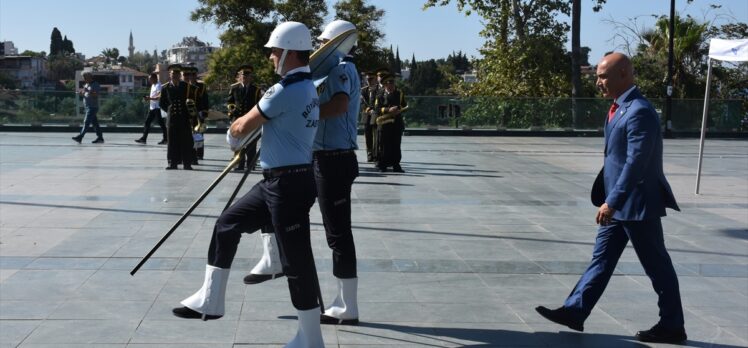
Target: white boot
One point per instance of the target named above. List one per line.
(269, 266)
(344, 309)
(210, 300)
(310, 333)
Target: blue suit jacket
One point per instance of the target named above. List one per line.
(632, 180)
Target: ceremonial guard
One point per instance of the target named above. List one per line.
(388, 105)
(173, 100)
(288, 114)
(243, 96)
(368, 96)
(335, 169)
(197, 105)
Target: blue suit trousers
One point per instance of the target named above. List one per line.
(647, 238)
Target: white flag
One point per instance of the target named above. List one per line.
(729, 50)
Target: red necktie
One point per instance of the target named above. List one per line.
(612, 112)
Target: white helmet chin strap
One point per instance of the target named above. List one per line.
(281, 62)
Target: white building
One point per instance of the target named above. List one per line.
(29, 72)
(191, 50)
(8, 49)
(115, 79)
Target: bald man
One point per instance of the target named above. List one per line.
(632, 193)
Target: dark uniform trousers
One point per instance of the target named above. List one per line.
(369, 130)
(389, 139)
(245, 98)
(334, 173)
(179, 134)
(284, 199)
(154, 114)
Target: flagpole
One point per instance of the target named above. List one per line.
(703, 123)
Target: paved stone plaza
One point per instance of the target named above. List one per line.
(456, 252)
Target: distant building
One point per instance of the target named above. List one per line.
(115, 79)
(405, 73)
(471, 77)
(8, 49)
(191, 50)
(29, 72)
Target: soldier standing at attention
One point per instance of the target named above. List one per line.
(243, 96)
(368, 96)
(199, 94)
(173, 101)
(288, 114)
(390, 131)
(335, 169)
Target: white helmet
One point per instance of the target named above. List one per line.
(336, 28)
(293, 36)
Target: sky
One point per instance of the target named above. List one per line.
(433, 33)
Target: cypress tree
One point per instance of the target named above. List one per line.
(55, 45)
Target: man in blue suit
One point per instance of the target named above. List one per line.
(632, 193)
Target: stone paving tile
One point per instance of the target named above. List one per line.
(456, 252)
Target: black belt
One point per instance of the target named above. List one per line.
(281, 171)
(332, 153)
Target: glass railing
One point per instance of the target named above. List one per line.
(123, 109)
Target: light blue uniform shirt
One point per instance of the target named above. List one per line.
(291, 107)
(340, 132)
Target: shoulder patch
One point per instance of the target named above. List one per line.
(269, 92)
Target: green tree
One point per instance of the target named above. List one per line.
(63, 67)
(7, 81)
(247, 26)
(111, 53)
(367, 20)
(55, 45)
(310, 12)
(67, 46)
(523, 54)
(689, 49)
(30, 53)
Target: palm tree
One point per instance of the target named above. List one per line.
(688, 48)
(111, 54)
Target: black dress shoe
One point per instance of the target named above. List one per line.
(259, 278)
(398, 169)
(382, 169)
(325, 319)
(163, 142)
(187, 313)
(98, 141)
(171, 168)
(561, 316)
(660, 334)
(78, 139)
(188, 167)
(140, 141)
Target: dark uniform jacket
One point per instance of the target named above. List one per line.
(173, 100)
(244, 98)
(369, 96)
(385, 100)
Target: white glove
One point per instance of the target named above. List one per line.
(234, 143)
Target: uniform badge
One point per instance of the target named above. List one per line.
(269, 92)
